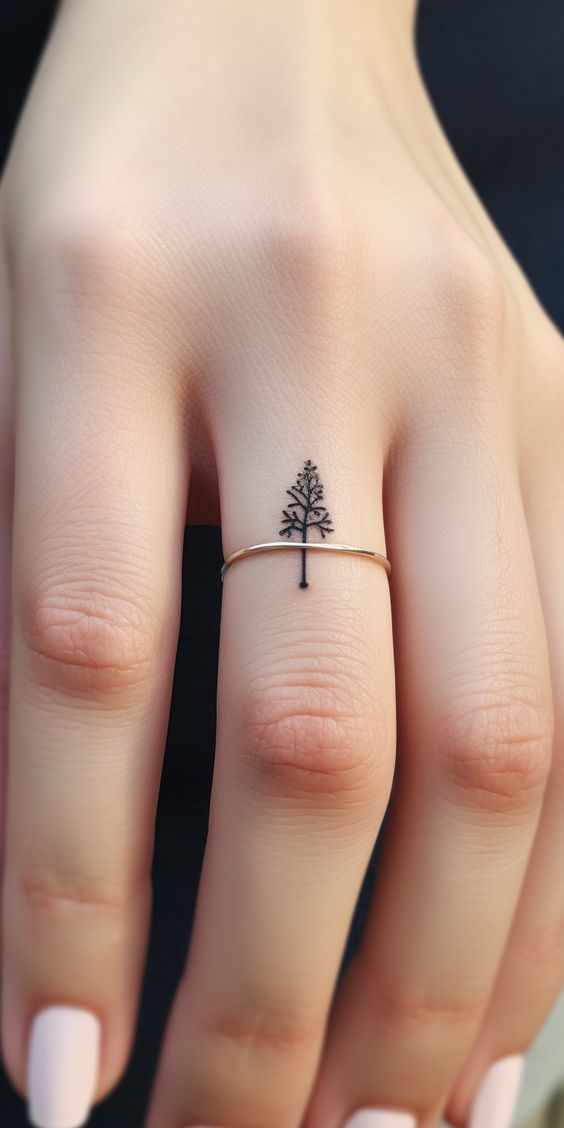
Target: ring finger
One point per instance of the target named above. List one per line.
(303, 770)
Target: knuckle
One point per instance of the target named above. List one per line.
(270, 1027)
(471, 278)
(4, 670)
(53, 891)
(91, 640)
(311, 237)
(419, 1014)
(318, 734)
(497, 750)
(466, 291)
(546, 393)
(86, 252)
(542, 946)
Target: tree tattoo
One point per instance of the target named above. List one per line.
(305, 512)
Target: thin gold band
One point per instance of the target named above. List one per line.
(315, 546)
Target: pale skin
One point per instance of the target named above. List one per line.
(235, 237)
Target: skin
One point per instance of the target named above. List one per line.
(236, 243)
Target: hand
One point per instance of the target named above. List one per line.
(237, 239)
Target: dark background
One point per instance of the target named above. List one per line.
(495, 70)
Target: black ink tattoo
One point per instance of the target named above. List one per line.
(304, 511)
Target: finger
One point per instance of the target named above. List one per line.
(98, 532)
(303, 769)
(6, 506)
(474, 749)
(531, 975)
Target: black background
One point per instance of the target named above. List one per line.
(496, 74)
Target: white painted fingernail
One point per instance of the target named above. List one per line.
(63, 1062)
(380, 1118)
(496, 1098)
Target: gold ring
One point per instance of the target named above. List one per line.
(313, 546)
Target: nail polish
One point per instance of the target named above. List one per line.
(380, 1118)
(63, 1062)
(495, 1100)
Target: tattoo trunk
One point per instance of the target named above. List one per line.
(303, 582)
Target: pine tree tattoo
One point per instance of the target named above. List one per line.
(304, 511)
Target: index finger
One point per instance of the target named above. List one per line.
(99, 519)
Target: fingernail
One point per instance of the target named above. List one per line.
(62, 1072)
(496, 1098)
(380, 1118)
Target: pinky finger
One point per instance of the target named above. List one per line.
(6, 509)
(531, 974)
